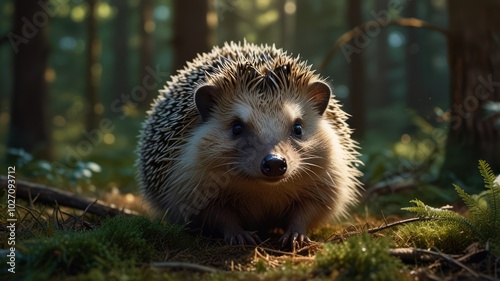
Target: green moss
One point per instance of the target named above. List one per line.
(447, 237)
(286, 272)
(359, 258)
(138, 237)
(451, 232)
(118, 243)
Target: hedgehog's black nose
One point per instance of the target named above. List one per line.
(273, 165)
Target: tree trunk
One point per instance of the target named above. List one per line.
(357, 77)
(381, 89)
(474, 58)
(29, 115)
(93, 70)
(417, 98)
(121, 84)
(146, 47)
(191, 31)
(287, 11)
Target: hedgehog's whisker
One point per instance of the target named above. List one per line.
(230, 170)
(331, 179)
(319, 195)
(226, 164)
(308, 172)
(310, 157)
(313, 165)
(224, 157)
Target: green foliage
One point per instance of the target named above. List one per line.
(443, 235)
(53, 173)
(482, 224)
(413, 161)
(260, 266)
(418, 155)
(427, 212)
(360, 258)
(119, 242)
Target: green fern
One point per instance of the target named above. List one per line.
(426, 212)
(492, 195)
(487, 174)
(484, 211)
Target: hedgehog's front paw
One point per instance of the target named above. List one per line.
(294, 235)
(241, 237)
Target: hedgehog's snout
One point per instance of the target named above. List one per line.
(273, 165)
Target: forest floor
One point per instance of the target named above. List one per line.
(60, 243)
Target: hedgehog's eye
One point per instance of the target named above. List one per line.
(237, 129)
(297, 130)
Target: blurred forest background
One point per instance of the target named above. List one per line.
(77, 78)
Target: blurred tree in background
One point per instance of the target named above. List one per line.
(93, 67)
(146, 28)
(357, 74)
(29, 115)
(108, 59)
(191, 30)
(474, 58)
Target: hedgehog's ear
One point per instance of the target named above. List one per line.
(204, 100)
(320, 94)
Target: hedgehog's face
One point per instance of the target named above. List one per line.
(265, 140)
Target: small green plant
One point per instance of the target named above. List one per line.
(482, 224)
(79, 174)
(359, 258)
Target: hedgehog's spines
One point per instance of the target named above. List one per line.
(168, 169)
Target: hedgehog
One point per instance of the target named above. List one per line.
(246, 139)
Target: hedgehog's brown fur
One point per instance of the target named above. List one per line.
(193, 165)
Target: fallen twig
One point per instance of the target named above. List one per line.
(422, 255)
(380, 228)
(50, 195)
(348, 234)
(416, 255)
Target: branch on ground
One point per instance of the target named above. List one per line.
(54, 196)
